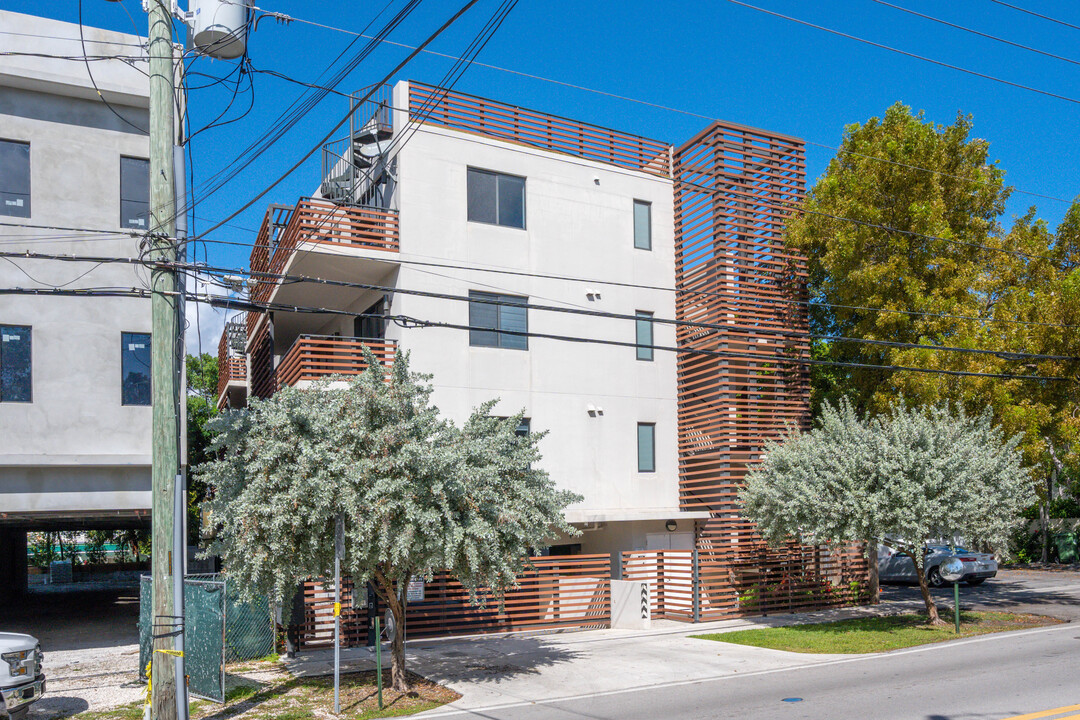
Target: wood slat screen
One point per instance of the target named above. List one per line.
(571, 591)
(315, 356)
(670, 574)
(261, 353)
(469, 113)
(735, 188)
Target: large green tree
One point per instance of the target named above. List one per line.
(417, 493)
(876, 272)
(902, 478)
(202, 378)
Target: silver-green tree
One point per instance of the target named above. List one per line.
(900, 479)
(417, 493)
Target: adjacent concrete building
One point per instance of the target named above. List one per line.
(74, 371)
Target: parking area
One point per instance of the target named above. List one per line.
(1043, 592)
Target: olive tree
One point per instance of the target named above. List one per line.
(416, 492)
(899, 479)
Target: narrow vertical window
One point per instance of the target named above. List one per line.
(642, 225)
(644, 335)
(135, 368)
(134, 193)
(646, 447)
(16, 369)
(14, 178)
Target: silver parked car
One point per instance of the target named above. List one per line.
(897, 567)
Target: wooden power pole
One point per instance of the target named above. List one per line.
(165, 333)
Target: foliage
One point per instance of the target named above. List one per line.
(95, 546)
(134, 543)
(202, 377)
(417, 492)
(876, 634)
(876, 180)
(912, 474)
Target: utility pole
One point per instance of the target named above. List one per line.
(165, 333)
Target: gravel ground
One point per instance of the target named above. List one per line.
(89, 679)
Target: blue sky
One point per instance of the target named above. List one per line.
(714, 58)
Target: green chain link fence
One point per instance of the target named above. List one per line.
(220, 629)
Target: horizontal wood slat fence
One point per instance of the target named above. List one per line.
(232, 367)
(558, 592)
(316, 356)
(469, 113)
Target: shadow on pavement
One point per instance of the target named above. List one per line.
(56, 707)
(997, 595)
(489, 659)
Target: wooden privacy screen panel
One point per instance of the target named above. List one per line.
(459, 111)
(261, 352)
(317, 356)
(558, 592)
(670, 574)
(735, 188)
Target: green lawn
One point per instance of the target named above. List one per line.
(876, 634)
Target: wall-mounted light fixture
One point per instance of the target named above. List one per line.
(671, 526)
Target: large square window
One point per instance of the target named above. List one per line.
(135, 193)
(646, 447)
(135, 368)
(496, 198)
(644, 335)
(14, 178)
(492, 315)
(642, 225)
(16, 369)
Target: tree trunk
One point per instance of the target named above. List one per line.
(931, 607)
(873, 585)
(399, 678)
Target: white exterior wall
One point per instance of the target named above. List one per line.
(74, 450)
(579, 222)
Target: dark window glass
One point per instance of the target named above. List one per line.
(644, 335)
(642, 225)
(135, 193)
(135, 368)
(496, 199)
(372, 328)
(646, 447)
(14, 178)
(523, 428)
(16, 371)
(487, 319)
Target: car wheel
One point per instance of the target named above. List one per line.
(933, 578)
(976, 581)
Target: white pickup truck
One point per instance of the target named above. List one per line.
(22, 681)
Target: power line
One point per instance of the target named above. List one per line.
(93, 82)
(1035, 14)
(977, 32)
(849, 36)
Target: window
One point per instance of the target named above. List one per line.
(135, 368)
(134, 193)
(16, 374)
(487, 319)
(644, 335)
(522, 430)
(496, 198)
(646, 447)
(642, 225)
(14, 178)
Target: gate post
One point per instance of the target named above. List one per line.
(695, 583)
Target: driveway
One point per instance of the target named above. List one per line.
(1039, 592)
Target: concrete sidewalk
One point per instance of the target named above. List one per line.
(501, 669)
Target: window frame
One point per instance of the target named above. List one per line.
(648, 224)
(497, 176)
(29, 182)
(120, 177)
(30, 333)
(124, 337)
(652, 449)
(501, 302)
(645, 352)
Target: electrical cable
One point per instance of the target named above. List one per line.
(93, 82)
(1035, 14)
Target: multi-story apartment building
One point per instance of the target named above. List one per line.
(74, 371)
(467, 215)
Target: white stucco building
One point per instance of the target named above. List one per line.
(74, 376)
(437, 206)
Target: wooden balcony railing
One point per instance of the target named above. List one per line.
(232, 367)
(313, 220)
(315, 356)
(459, 111)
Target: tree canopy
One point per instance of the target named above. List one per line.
(903, 478)
(417, 492)
(908, 219)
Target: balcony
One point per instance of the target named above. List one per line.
(312, 357)
(232, 366)
(317, 222)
